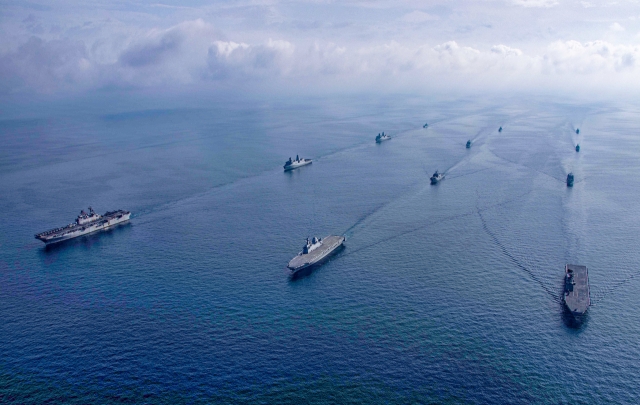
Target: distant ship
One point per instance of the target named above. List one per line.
(500, 129)
(294, 164)
(85, 224)
(382, 137)
(577, 130)
(425, 125)
(436, 177)
(469, 144)
(576, 295)
(314, 251)
(570, 180)
(578, 148)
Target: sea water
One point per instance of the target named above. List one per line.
(450, 293)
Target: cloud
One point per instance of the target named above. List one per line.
(616, 27)
(597, 57)
(418, 17)
(45, 66)
(536, 3)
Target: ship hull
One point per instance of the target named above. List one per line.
(382, 140)
(86, 230)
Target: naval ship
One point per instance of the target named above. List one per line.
(570, 180)
(294, 164)
(576, 295)
(436, 177)
(314, 251)
(469, 144)
(85, 224)
(578, 148)
(578, 131)
(382, 137)
(500, 129)
(425, 125)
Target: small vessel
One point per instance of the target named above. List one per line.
(314, 251)
(425, 125)
(469, 144)
(576, 295)
(382, 137)
(570, 180)
(578, 148)
(85, 224)
(436, 177)
(577, 130)
(294, 164)
(500, 129)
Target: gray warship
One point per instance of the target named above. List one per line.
(84, 224)
(314, 251)
(382, 137)
(294, 164)
(576, 295)
(436, 177)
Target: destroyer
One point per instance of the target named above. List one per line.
(314, 251)
(576, 289)
(469, 144)
(382, 137)
(294, 164)
(436, 177)
(570, 180)
(85, 224)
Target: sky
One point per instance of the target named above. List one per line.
(62, 47)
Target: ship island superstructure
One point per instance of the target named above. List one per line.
(576, 295)
(294, 164)
(85, 223)
(314, 251)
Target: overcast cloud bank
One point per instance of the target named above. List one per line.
(267, 50)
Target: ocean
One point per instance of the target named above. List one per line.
(447, 293)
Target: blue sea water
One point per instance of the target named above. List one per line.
(444, 294)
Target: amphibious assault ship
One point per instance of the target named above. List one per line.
(314, 251)
(576, 289)
(85, 224)
(436, 177)
(382, 137)
(294, 164)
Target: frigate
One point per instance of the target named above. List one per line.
(314, 251)
(294, 164)
(570, 180)
(382, 137)
(436, 177)
(85, 223)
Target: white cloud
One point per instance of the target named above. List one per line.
(418, 17)
(536, 3)
(616, 27)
